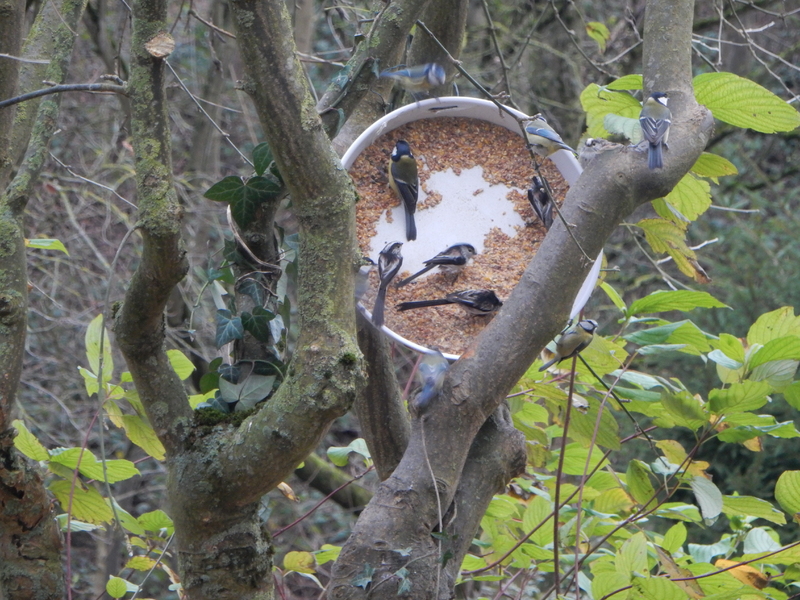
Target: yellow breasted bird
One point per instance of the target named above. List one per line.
(404, 180)
(572, 341)
(655, 119)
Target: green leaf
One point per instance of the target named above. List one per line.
(637, 478)
(626, 82)
(256, 191)
(27, 443)
(773, 325)
(731, 346)
(249, 392)
(658, 588)
(501, 508)
(584, 423)
(339, 455)
(605, 584)
(87, 503)
(180, 364)
(624, 126)
(632, 556)
(744, 103)
(92, 341)
(792, 395)
(141, 433)
(613, 295)
(739, 397)
(713, 166)
(538, 514)
(229, 328)
(597, 102)
(691, 197)
(262, 156)
(155, 521)
(46, 244)
(257, 323)
(300, 562)
(782, 348)
(777, 373)
(674, 538)
(682, 300)
(116, 587)
(127, 520)
(748, 506)
(681, 332)
(117, 470)
(708, 497)
(787, 493)
(575, 462)
(685, 409)
(327, 553)
(140, 563)
(473, 563)
(599, 33)
(229, 190)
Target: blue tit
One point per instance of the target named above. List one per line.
(543, 138)
(572, 341)
(655, 119)
(431, 374)
(475, 302)
(419, 79)
(404, 180)
(389, 262)
(541, 202)
(449, 261)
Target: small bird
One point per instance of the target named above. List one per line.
(543, 138)
(389, 262)
(450, 261)
(431, 373)
(655, 119)
(572, 341)
(541, 202)
(404, 181)
(475, 302)
(418, 80)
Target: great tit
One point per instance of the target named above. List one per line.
(655, 119)
(475, 302)
(450, 261)
(418, 80)
(572, 341)
(404, 180)
(389, 262)
(541, 202)
(431, 373)
(543, 138)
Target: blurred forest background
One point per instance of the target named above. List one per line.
(538, 52)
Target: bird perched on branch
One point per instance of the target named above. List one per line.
(475, 302)
(418, 80)
(572, 341)
(449, 261)
(655, 119)
(543, 138)
(431, 374)
(404, 181)
(541, 202)
(389, 262)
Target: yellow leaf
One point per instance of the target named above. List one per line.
(744, 573)
(301, 562)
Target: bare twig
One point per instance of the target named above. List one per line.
(71, 87)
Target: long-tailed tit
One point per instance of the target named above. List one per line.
(389, 262)
(449, 261)
(475, 302)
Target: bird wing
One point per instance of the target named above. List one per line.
(409, 190)
(654, 129)
(447, 259)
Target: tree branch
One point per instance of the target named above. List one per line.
(72, 87)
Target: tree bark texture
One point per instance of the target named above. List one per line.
(30, 565)
(404, 511)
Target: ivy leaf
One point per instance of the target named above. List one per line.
(255, 192)
(228, 328)
(599, 33)
(228, 190)
(744, 103)
(262, 156)
(258, 323)
(364, 578)
(253, 288)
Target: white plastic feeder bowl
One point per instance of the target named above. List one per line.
(414, 253)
